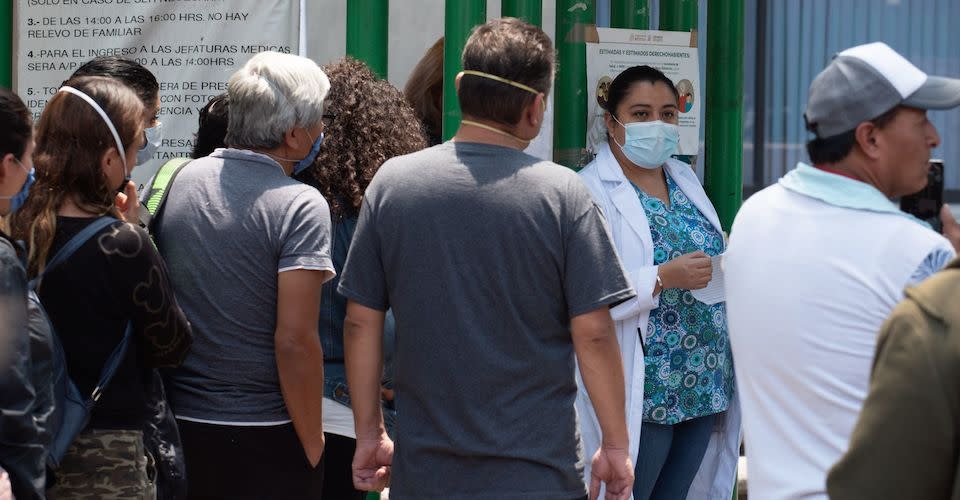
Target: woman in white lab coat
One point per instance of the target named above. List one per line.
(682, 413)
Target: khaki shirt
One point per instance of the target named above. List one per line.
(906, 443)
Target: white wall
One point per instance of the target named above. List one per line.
(414, 26)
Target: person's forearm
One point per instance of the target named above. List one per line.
(601, 368)
(363, 349)
(300, 367)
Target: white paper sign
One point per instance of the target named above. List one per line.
(667, 51)
(713, 292)
(192, 46)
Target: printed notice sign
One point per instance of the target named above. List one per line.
(668, 51)
(192, 46)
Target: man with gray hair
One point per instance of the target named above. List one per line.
(817, 261)
(249, 249)
(499, 270)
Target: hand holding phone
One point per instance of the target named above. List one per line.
(951, 228)
(926, 204)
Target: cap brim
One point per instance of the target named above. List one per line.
(936, 93)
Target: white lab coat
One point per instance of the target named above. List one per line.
(631, 234)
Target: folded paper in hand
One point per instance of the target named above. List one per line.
(713, 292)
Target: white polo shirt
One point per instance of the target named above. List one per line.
(814, 266)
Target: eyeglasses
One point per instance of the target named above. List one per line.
(328, 119)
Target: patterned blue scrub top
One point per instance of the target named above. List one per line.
(689, 367)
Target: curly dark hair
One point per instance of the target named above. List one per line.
(372, 122)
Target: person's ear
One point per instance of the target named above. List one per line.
(867, 138)
(610, 122)
(8, 161)
(456, 82)
(291, 138)
(110, 159)
(533, 114)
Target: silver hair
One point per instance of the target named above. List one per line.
(271, 94)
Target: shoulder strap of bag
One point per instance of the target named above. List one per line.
(110, 367)
(157, 195)
(72, 246)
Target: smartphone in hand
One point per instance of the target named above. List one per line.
(926, 203)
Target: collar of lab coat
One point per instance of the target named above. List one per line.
(625, 198)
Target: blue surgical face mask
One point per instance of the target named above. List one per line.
(305, 163)
(649, 144)
(154, 135)
(17, 200)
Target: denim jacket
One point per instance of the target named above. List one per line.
(333, 310)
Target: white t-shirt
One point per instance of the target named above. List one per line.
(338, 419)
(808, 284)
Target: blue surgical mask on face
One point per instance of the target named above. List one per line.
(649, 144)
(154, 135)
(17, 200)
(305, 163)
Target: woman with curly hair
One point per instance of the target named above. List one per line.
(370, 122)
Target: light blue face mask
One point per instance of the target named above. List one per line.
(649, 144)
(305, 163)
(154, 135)
(17, 200)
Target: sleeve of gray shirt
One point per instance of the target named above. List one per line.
(363, 279)
(593, 275)
(305, 235)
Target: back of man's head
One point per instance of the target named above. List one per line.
(128, 71)
(271, 94)
(510, 49)
(867, 83)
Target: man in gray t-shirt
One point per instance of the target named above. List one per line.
(249, 251)
(498, 268)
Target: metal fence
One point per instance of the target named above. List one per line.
(788, 42)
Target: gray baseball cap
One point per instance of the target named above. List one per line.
(866, 81)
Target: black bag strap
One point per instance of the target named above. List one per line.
(72, 246)
(119, 352)
(110, 367)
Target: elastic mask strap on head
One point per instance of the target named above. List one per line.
(501, 80)
(614, 139)
(106, 119)
(495, 130)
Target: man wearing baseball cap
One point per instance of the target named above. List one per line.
(817, 261)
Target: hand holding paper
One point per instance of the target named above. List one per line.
(713, 292)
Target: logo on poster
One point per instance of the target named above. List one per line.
(685, 89)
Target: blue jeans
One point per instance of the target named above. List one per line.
(669, 458)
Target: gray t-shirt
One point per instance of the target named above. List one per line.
(232, 222)
(484, 253)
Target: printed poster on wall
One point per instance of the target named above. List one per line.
(672, 52)
(191, 46)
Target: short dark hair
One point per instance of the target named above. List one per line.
(836, 147)
(214, 118)
(511, 49)
(16, 124)
(622, 83)
(129, 72)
